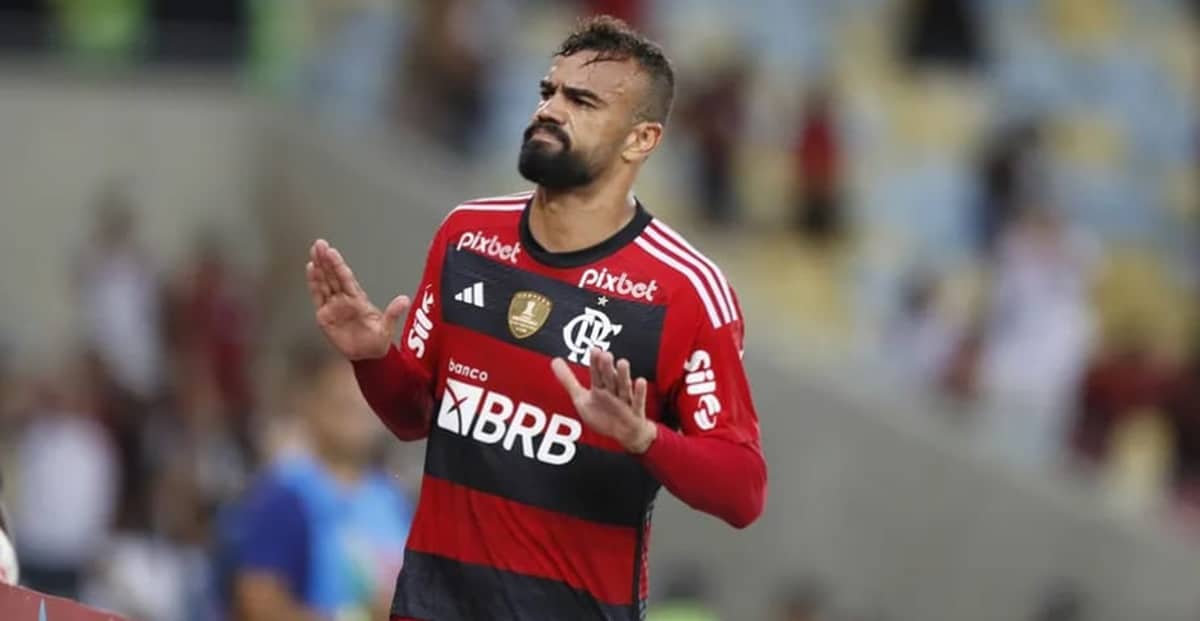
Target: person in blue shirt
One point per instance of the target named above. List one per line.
(321, 534)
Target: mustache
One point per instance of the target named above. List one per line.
(554, 129)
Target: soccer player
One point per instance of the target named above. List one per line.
(566, 355)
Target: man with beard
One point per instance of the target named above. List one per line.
(537, 494)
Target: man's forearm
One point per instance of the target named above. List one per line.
(712, 475)
(399, 393)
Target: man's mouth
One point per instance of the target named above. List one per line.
(545, 132)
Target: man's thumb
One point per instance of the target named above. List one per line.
(395, 310)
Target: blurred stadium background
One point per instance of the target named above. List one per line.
(965, 234)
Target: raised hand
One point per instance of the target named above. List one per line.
(614, 405)
(354, 325)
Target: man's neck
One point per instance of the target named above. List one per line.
(346, 472)
(579, 218)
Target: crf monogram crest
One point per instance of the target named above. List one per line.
(590, 329)
(527, 312)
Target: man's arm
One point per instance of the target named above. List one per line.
(710, 474)
(714, 463)
(397, 381)
(399, 391)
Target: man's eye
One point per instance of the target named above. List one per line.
(546, 94)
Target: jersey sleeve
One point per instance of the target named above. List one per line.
(713, 462)
(399, 386)
(711, 394)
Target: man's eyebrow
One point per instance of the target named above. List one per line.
(574, 92)
(582, 94)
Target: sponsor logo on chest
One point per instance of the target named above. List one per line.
(491, 417)
(620, 284)
(489, 245)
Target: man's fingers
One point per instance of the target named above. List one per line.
(395, 309)
(595, 368)
(609, 369)
(326, 263)
(608, 372)
(345, 276)
(317, 275)
(317, 259)
(640, 388)
(567, 378)
(624, 382)
(314, 285)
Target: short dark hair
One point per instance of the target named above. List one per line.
(615, 40)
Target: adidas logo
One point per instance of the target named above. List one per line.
(472, 295)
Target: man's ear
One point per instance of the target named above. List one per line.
(642, 140)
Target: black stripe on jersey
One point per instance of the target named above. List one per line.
(640, 323)
(441, 589)
(600, 486)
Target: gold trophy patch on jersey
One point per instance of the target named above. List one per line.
(527, 312)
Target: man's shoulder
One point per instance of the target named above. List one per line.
(490, 210)
(479, 221)
(688, 276)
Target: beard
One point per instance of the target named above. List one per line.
(550, 166)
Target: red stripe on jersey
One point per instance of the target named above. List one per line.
(489, 530)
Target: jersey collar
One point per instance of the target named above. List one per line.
(579, 258)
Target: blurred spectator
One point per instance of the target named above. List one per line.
(448, 58)
(960, 381)
(160, 573)
(941, 33)
(322, 533)
(820, 209)
(713, 113)
(1125, 380)
(67, 485)
(210, 327)
(1038, 338)
(922, 337)
(200, 430)
(120, 297)
(1009, 174)
(685, 597)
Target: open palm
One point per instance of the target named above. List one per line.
(614, 405)
(355, 326)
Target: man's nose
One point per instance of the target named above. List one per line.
(550, 111)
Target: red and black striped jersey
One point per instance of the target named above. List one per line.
(524, 512)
